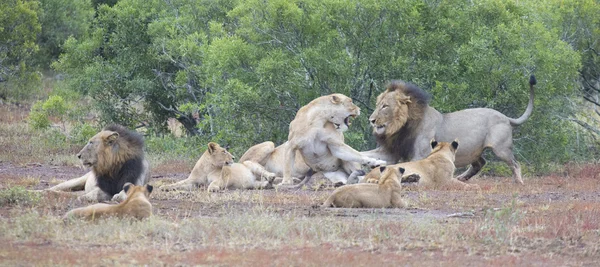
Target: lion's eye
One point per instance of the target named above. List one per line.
(384, 106)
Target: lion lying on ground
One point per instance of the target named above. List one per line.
(403, 123)
(208, 171)
(136, 205)
(436, 171)
(316, 134)
(116, 156)
(385, 194)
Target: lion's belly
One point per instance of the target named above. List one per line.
(321, 159)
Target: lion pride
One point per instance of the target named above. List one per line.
(116, 156)
(404, 123)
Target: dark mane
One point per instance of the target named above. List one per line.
(127, 166)
(401, 144)
(132, 138)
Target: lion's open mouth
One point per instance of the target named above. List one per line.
(87, 164)
(348, 120)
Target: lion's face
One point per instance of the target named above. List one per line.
(101, 142)
(219, 156)
(341, 111)
(391, 113)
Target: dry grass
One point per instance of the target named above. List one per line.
(550, 221)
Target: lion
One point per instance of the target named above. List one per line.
(136, 205)
(436, 171)
(384, 194)
(404, 123)
(116, 156)
(317, 134)
(208, 171)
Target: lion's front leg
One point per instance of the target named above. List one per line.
(379, 154)
(288, 168)
(96, 195)
(76, 184)
(346, 153)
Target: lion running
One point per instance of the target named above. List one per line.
(216, 169)
(136, 205)
(317, 134)
(436, 171)
(403, 123)
(384, 194)
(116, 156)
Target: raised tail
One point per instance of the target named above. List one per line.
(529, 110)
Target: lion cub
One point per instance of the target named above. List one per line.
(136, 205)
(436, 171)
(385, 194)
(240, 176)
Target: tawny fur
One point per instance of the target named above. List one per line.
(208, 171)
(316, 133)
(385, 194)
(404, 123)
(436, 171)
(136, 205)
(116, 156)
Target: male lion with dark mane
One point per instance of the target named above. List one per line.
(404, 123)
(116, 156)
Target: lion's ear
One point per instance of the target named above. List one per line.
(433, 143)
(149, 188)
(381, 169)
(112, 138)
(127, 187)
(455, 144)
(335, 99)
(402, 170)
(212, 147)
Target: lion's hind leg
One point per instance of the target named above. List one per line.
(506, 155)
(473, 170)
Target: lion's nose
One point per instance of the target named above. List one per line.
(372, 121)
(79, 156)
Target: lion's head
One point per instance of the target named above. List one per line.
(106, 151)
(335, 108)
(398, 112)
(137, 190)
(445, 149)
(391, 175)
(219, 156)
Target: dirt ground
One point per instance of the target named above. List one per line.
(559, 224)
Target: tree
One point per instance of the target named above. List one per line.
(19, 27)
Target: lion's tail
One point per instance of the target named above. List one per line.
(529, 110)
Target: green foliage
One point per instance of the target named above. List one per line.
(235, 72)
(82, 132)
(61, 19)
(41, 111)
(18, 195)
(19, 27)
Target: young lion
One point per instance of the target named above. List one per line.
(209, 169)
(385, 194)
(136, 205)
(239, 176)
(435, 171)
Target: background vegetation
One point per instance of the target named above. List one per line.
(236, 71)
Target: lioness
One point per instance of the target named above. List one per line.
(116, 156)
(403, 123)
(209, 168)
(436, 171)
(385, 194)
(136, 205)
(316, 133)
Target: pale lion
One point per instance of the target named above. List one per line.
(208, 171)
(385, 194)
(404, 123)
(136, 205)
(436, 171)
(116, 156)
(316, 133)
